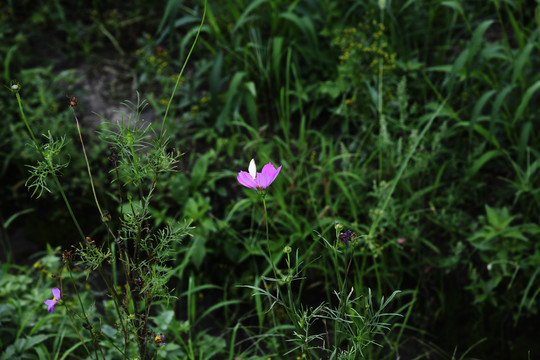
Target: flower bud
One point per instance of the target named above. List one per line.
(15, 87)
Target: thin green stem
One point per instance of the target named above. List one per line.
(96, 342)
(90, 173)
(114, 296)
(60, 188)
(286, 305)
(268, 240)
(182, 71)
(77, 331)
(78, 295)
(340, 285)
(87, 164)
(71, 318)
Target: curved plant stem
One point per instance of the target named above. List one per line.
(64, 197)
(182, 71)
(88, 165)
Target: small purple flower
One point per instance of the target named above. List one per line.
(400, 241)
(52, 303)
(346, 237)
(159, 340)
(255, 180)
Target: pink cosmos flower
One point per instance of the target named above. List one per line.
(255, 180)
(401, 240)
(52, 303)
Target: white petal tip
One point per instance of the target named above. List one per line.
(252, 168)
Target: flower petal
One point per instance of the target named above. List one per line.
(263, 180)
(56, 293)
(270, 173)
(246, 179)
(50, 304)
(252, 168)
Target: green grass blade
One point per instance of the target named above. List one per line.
(525, 101)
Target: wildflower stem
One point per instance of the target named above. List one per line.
(182, 71)
(268, 240)
(88, 166)
(51, 169)
(26, 122)
(77, 331)
(77, 293)
(337, 267)
(95, 341)
(114, 296)
(68, 311)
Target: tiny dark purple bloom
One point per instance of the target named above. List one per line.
(346, 237)
(159, 340)
(258, 181)
(52, 303)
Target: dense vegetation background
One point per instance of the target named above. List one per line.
(413, 124)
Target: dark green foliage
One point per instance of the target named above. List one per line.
(416, 121)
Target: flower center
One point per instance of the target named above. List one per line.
(54, 299)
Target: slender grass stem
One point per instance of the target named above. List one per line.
(182, 71)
